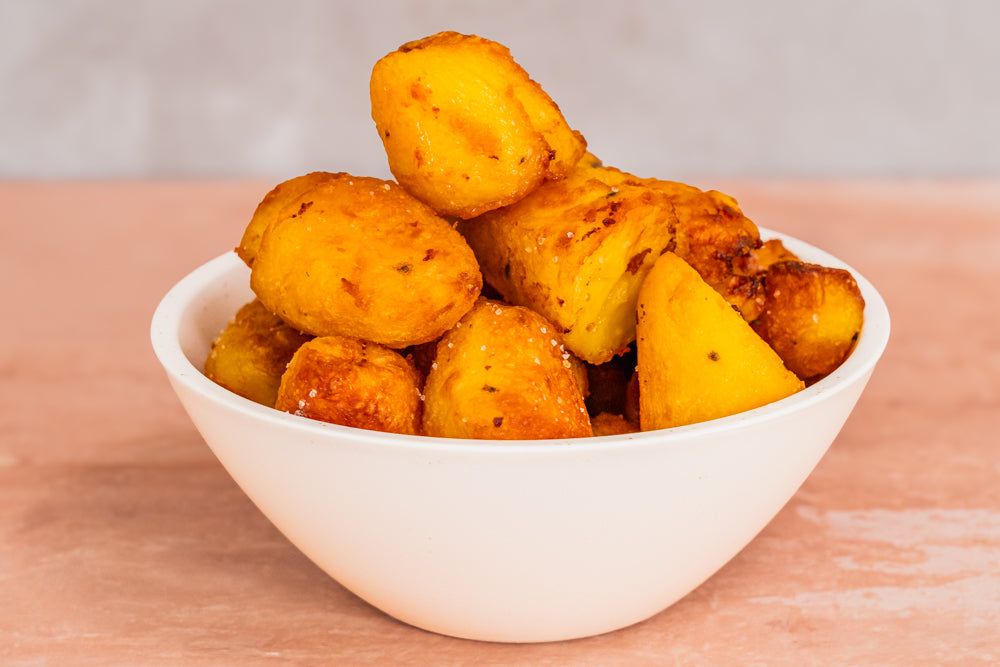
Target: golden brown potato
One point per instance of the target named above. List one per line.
(576, 251)
(269, 208)
(771, 252)
(712, 235)
(502, 373)
(359, 257)
(465, 129)
(250, 354)
(812, 316)
(698, 358)
(607, 423)
(353, 383)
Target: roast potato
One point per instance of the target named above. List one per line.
(353, 383)
(502, 373)
(576, 250)
(465, 129)
(698, 358)
(250, 354)
(711, 234)
(812, 316)
(359, 257)
(269, 208)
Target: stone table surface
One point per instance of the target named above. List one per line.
(124, 542)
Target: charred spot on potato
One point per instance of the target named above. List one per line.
(497, 421)
(403, 268)
(489, 389)
(713, 355)
(635, 262)
(429, 255)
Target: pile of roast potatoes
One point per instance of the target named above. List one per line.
(508, 285)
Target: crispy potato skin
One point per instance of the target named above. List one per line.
(712, 235)
(269, 208)
(502, 373)
(359, 257)
(250, 354)
(698, 358)
(464, 127)
(576, 251)
(353, 383)
(812, 316)
(771, 252)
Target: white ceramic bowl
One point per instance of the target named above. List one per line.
(509, 541)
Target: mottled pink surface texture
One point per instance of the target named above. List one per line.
(124, 542)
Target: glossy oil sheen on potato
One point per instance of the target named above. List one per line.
(812, 316)
(502, 373)
(464, 127)
(360, 257)
(353, 383)
(250, 354)
(576, 250)
(271, 205)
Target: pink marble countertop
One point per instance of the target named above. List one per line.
(124, 542)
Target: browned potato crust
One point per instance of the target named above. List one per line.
(502, 373)
(607, 423)
(576, 251)
(464, 127)
(812, 316)
(269, 208)
(771, 252)
(250, 354)
(713, 236)
(359, 257)
(353, 383)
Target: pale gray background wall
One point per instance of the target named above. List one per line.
(112, 88)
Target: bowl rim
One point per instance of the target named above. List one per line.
(177, 304)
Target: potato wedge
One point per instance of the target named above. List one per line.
(502, 373)
(359, 257)
(249, 356)
(270, 207)
(464, 127)
(698, 358)
(812, 316)
(353, 383)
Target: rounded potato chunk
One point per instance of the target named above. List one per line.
(812, 316)
(502, 373)
(698, 358)
(250, 354)
(359, 257)
(269, 208)
(353, 383)
(465, 129)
